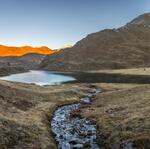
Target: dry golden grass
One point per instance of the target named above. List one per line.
(121, 113)
(25, 112)
(132, 71)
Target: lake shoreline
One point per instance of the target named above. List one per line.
(5, 71)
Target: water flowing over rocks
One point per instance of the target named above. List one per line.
(74, 133)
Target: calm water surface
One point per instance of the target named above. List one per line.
(39, 77)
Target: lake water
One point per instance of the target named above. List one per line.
(39, 77)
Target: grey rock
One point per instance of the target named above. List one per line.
(85, 100)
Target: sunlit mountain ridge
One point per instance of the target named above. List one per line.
(19, 51)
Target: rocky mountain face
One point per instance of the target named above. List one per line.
(28, 61)
(125, 47)
(17, 64)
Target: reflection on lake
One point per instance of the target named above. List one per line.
(39, 77)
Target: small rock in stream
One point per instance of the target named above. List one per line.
(85, 100)
(78, 146)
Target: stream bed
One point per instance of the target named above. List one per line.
(74, 133)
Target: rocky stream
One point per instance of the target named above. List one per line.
(76, 132)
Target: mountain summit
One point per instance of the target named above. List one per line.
(142, 20)
(125, 47)
(19, 51)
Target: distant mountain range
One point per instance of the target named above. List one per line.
(21, 59)
(19, 51)
(125, 47)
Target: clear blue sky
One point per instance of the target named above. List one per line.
(55, 23)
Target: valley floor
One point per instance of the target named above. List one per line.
(121, 113)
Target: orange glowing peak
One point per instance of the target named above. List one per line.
(19, 51)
